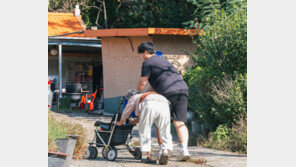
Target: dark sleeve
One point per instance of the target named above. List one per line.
(146, 70)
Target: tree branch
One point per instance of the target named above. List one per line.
(93, 7)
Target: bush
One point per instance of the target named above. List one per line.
(60, 130)
(232, 139)
(222, 48)
(217, 79)
(230, 100)
(238, 136)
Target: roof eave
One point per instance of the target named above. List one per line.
(139, 32)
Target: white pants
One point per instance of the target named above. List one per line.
(159, 113)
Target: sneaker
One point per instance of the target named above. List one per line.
(183, 156)
(163, 159)
(148, 160)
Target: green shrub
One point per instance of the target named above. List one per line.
(222, 48)
(60, 130)
(238, 136)
(221, 134)
(217, 79)
(230, 100)
(232, 139)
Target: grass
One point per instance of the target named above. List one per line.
(60, 130)
(229, 139)
(135, 144)
(56, 130)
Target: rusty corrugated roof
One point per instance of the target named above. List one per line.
(62, 23)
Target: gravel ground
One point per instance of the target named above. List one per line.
(215, 158)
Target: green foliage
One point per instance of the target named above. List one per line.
(65, 5)
(221, 134)
(230, 100)
(206, 8)
(225, 138)
(219, 102)
(55, 129)
(130, 13)
(92, 9)
(156, 13)
(238, 137)
(223, 45)
(217, 81)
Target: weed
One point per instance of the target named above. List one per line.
(135, 144)
(230, 139)
(197, 161)
(60, 130)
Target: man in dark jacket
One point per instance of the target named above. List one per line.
(166, 80)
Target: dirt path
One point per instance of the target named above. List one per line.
(215, 158)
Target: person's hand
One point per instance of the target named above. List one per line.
(117, 123)
(131, 121)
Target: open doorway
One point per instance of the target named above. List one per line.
(82, 72)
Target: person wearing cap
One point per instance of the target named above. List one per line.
(166, 80)
(152, 108)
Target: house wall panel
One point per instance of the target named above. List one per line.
(172, 47)
(121, 64)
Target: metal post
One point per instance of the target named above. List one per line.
(60, 71)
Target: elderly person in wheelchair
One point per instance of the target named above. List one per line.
(151, 108)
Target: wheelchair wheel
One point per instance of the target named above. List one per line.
(104, 152)
(137, 153)
(91, 152)
(111, 154)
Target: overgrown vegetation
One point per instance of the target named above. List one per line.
(129, 13)
(232, 139)
(60, 130)
(56, 130)
(218, 79)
